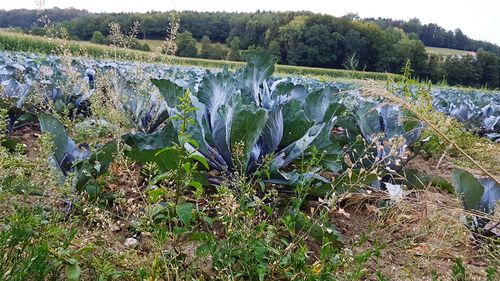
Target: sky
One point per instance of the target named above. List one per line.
(479, 19)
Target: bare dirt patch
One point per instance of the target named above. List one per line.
(421, 235)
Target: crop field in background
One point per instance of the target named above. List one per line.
(27, 43)
(153, 44)
(444, 51)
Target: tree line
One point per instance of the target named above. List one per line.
(303, 39)
(434, 35)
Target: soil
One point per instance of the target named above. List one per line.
(28, 137)
(420, 234)
(433, 166)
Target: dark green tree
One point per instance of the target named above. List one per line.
(206, 47)
(488, 66)
(234, 49)
(275, 49)
(98, 38)
(186, 45)
(218, 51)
(413, 50)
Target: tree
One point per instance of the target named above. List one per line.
(218, 51)
(98, 38)
(234, 50)
(274, 49)
(460, 40)
(488, 68)
(145, 47)
(461, 71)
(186, 45)
(413, 50)
(206, 47)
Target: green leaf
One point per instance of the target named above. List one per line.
(187, 167)
(268, 209)
(295, 123)
(170, 91)
(260, 66)
(93, 190)
(185, 212)
(317, 230)
(160, 139)
(201, 236)
(196, 185)
(49, 124)
(208, 220)
(420, 180)
(247, 123)
(145, 147)
(345, 183)
(468, 187)
(199, 188)
(200, 158)
(155, 195)
(73, 272)
(85, 170)
(167, 158)
(10, 144)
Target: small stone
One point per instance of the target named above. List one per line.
(131, 242)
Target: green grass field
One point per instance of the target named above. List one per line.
(18, 42)
(153, 44)
(444, 51)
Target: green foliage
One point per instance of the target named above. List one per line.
(274, 49)
(458, 272)
(205, 49)
(145, 147)
(98, 38)
(180, 164)
(234, 51)
(89, 170)
(352, 62)
(469, 188)
(210, 50)
(306, 39)
(34, 247)
(186, 45)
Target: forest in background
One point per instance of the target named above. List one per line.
(295, 38)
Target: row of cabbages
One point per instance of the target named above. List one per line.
(282, 117)
(480, 110)
(241, 120)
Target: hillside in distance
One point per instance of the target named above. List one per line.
(431, 34)
(295, 38)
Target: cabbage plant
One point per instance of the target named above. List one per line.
(392, 129)
(243, 118)
(477, 195)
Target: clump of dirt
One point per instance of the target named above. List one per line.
(127, 184)
(421, 235)
(434, 167)
(28, 137)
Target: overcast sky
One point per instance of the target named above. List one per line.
(478, 19)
